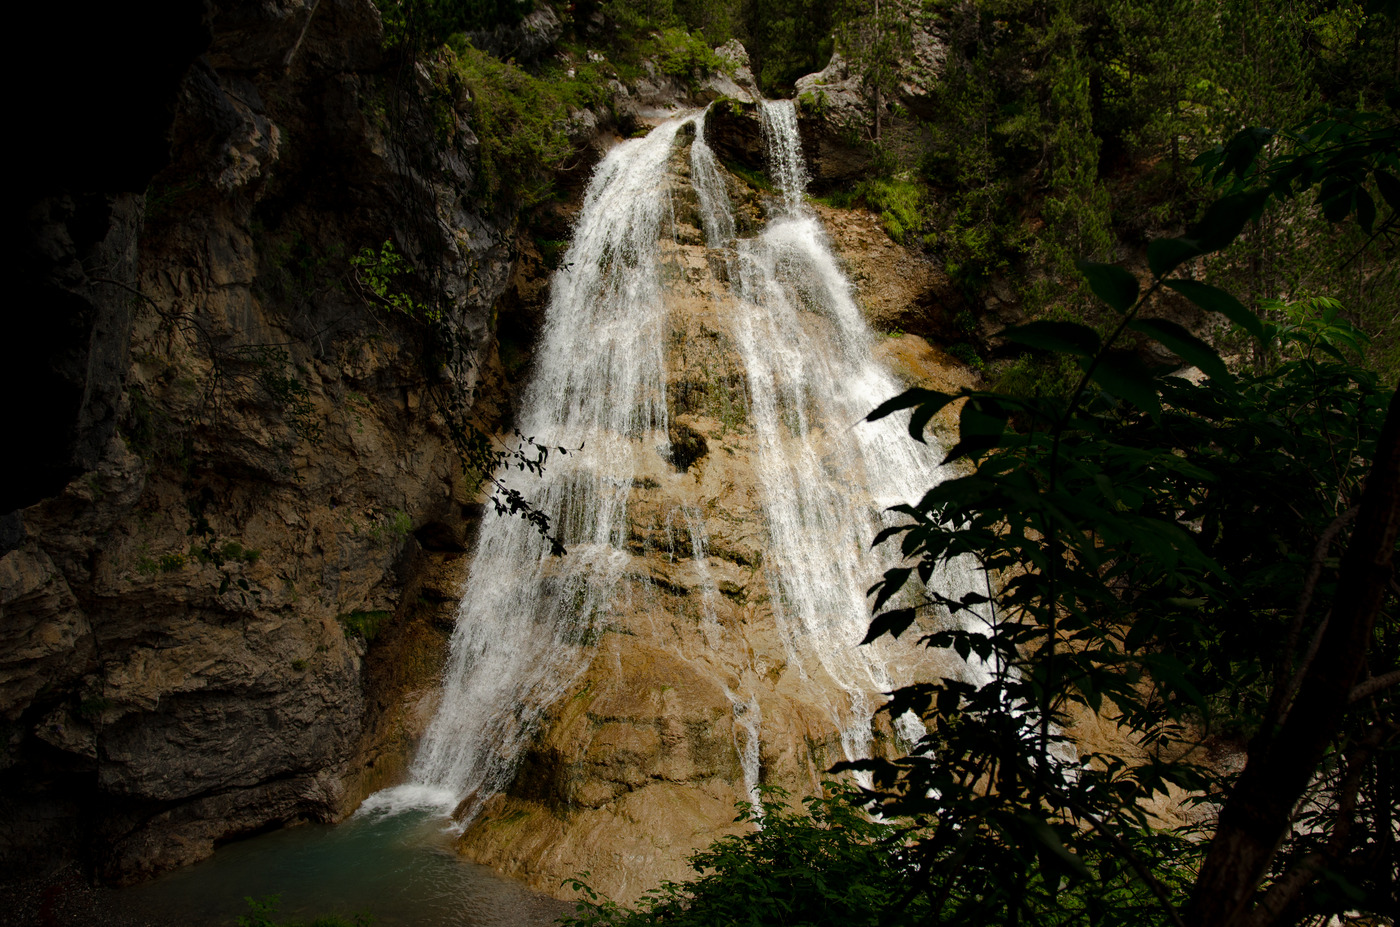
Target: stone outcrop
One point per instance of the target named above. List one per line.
(836, 116)
(525, 41)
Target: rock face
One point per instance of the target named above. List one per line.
(694, 693)
(248, 454)
(836, 117)
(245, 475)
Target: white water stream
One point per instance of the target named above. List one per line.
(523, 626)
(827, 479)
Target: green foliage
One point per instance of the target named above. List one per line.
(161, 198)
(831, 864)
(551, 252)
(758, 180)
(967, 354)
(1346, 155)
(430, 22)
(685, 55)
(377, 273)
(1066, 128)
(898, 202)
(1037, 374)
(206, 548)
(1152, 555)
(388, 527)
(365, 625)
(95, 705)
(876, 39)
(519, 120)
(785, 39)
(826, 864)
(261, 912)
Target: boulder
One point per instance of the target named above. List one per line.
(835, 117)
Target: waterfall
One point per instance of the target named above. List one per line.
(827, 479)
(527, 619)
(526, 616)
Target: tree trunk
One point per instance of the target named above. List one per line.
(878, 51)
(1256, 817)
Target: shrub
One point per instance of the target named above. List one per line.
(519, 121)
(365, 625)
(260, 915)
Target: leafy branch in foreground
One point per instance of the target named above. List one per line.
(1161, 558)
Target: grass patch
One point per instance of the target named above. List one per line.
(365, 625)
(756, 179)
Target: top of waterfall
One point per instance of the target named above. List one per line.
(785, 160)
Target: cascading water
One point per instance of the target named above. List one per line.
(826, 484)
(598, 386)
(824, 479)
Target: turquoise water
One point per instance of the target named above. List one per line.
(401, 868)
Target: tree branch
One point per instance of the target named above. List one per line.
(1143, 872)
(1371, 686)
(1255, 817)
(1282, 693)
(1287, 887)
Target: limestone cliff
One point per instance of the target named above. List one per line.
(258, 473)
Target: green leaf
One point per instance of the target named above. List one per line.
(1184, 344)
(1213, 299)
(1110, 283)
(1125, 377)
(1165, 255)
(1389, 188)
(1365, 209)
(1226, 217)
(926, 404)
(980, 427)
(892, 623)
(1051, 841)
(1063, 337)
(1338, 207)
(894, 580)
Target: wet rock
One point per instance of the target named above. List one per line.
(735, 133)
(834, 116)
(195, 620)
(642, 759)
(687, 445)
(899, 290)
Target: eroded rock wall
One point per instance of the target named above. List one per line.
(259, 448)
